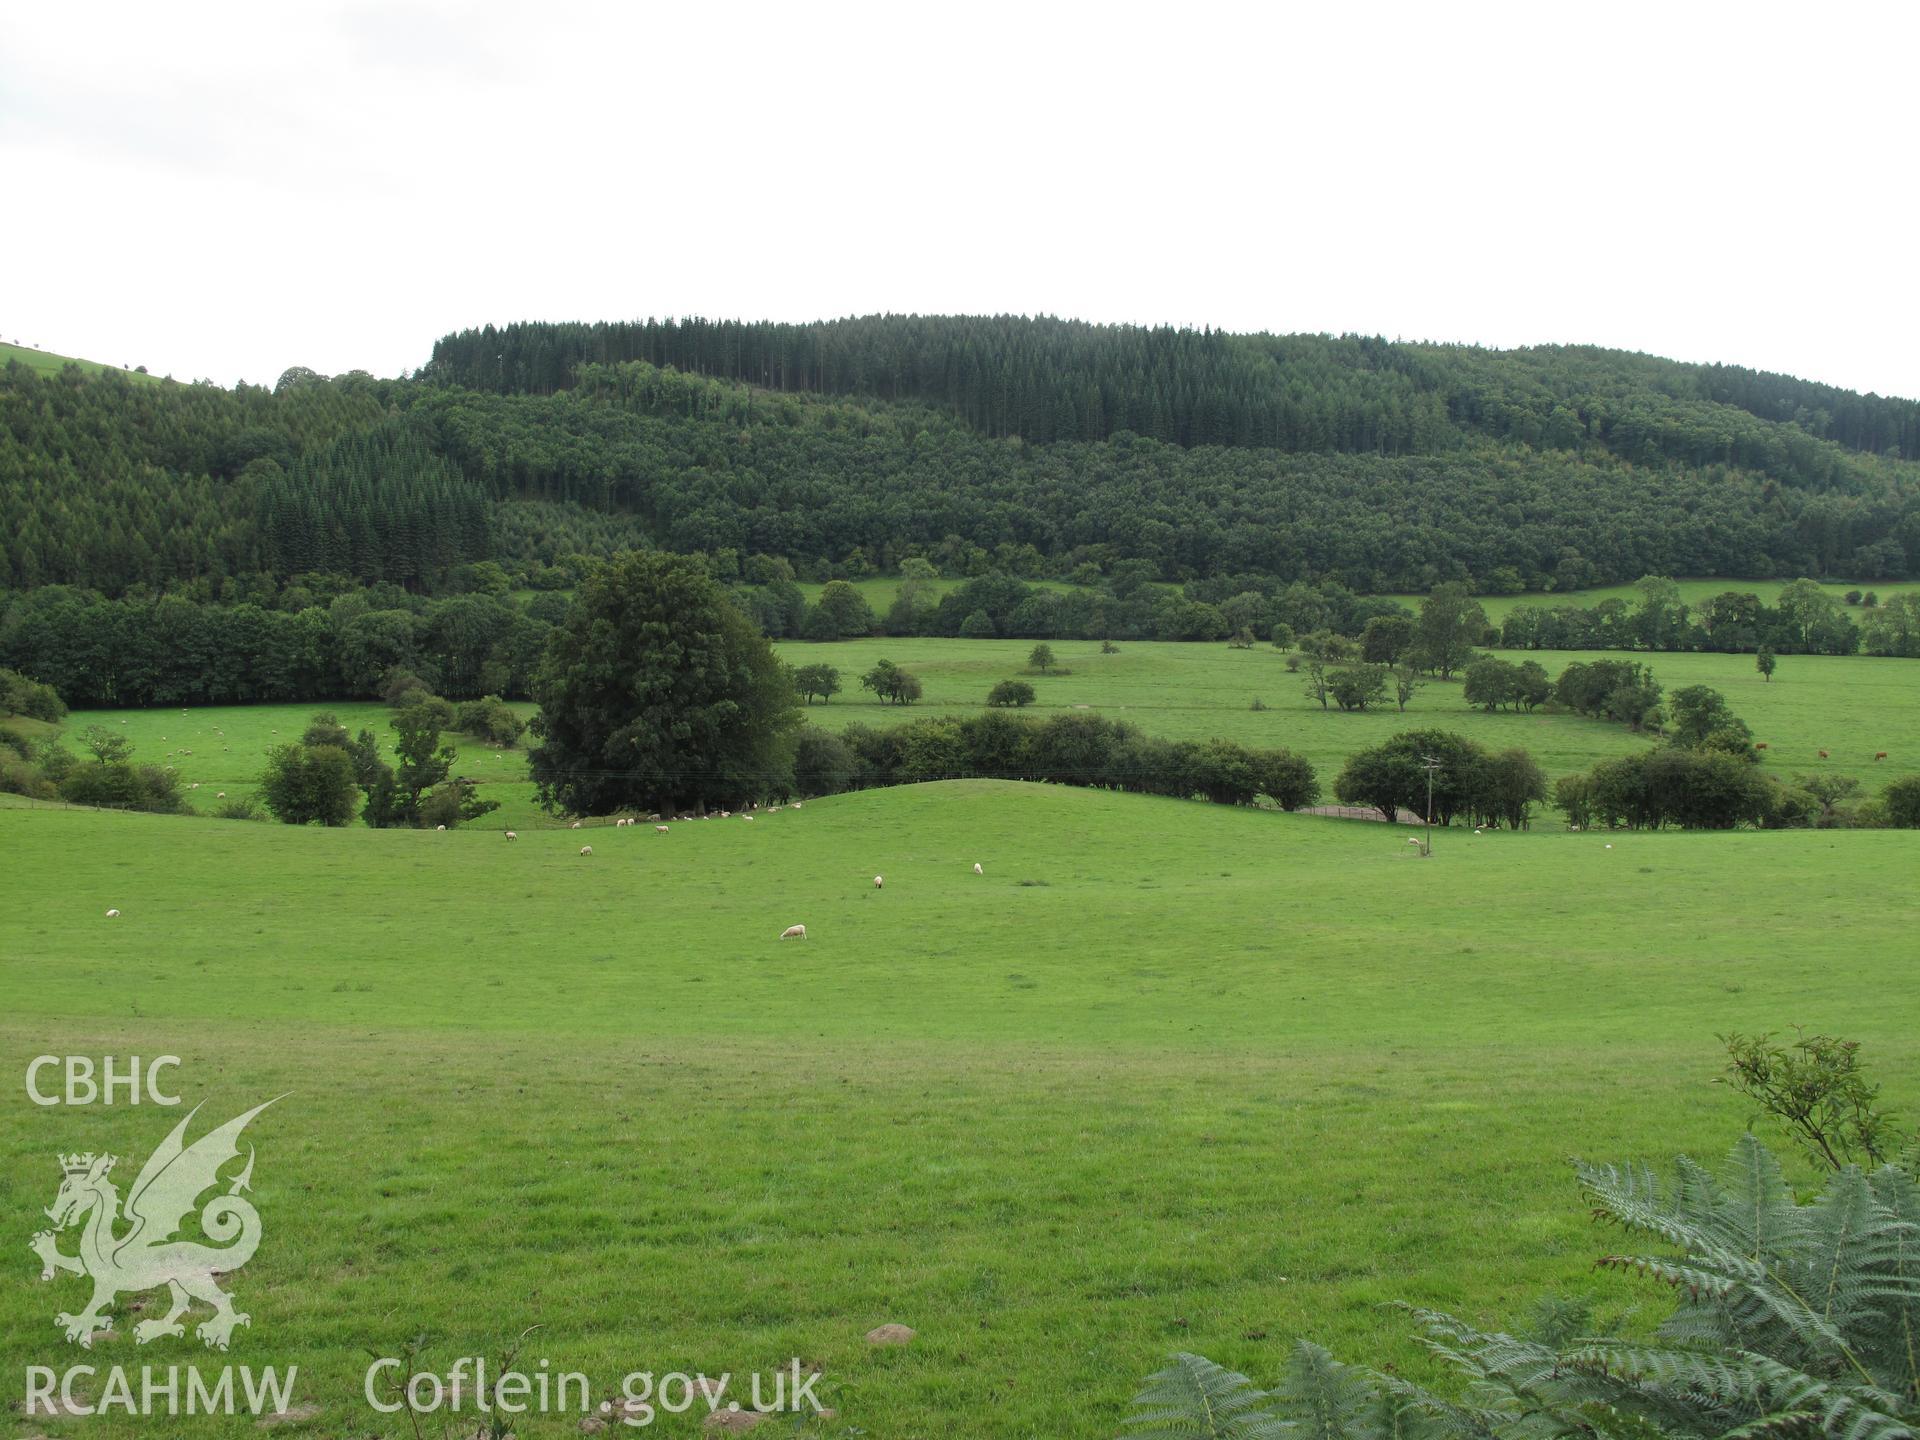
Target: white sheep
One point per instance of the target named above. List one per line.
(440, 827)
(113, 914)
(746, 817)
(794, 932)
(221, 796)
(976, 868)
(879, 882)
(574, 826)
(586, 849)
(512, 836)
(1413, 842)
(796, 804)
(1609, 845)
(659, 829)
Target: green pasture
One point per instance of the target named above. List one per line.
(48, 363)
(1167, 1076)
(1852, 706)
(224, 748)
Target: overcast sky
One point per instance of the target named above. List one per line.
(225, 190)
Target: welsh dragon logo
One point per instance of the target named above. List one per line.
(146, 1256)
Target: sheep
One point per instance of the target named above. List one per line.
(512, 836)
(440, 827)
(879, 882)
(574, 826)
(1881, 756)
(1759, 744)
(1413, 842)
(586, 849)
(796, 804)
(221, 796)
(976, 868)
(1823, 754)
(794, 932)
(1609, 845)
(746, 817)
(659, 829)
(113, 914)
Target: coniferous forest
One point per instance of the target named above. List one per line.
(1034, 446)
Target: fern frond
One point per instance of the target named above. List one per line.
(1195, 1399)
(1326, 1399)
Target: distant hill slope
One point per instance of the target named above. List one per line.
(47, 363)
(1386, 467)
(1046, 380)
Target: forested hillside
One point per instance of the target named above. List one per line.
(1034, 447)
(1046, 380)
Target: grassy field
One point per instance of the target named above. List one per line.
(1168, 1076)
(224, 748)
(1851, 706)
(50, 364)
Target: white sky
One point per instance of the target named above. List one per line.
(225, 190)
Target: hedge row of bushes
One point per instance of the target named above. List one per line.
(1069, 749)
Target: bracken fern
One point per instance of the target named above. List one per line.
(1793, 1320)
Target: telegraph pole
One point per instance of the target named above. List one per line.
(1429, 763)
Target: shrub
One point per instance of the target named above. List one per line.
(1011, 692)
(399, 682)
(22, 696)
(490, 719)
(309, 784)
(822, 764)
(241, 807)
(122, 785)
(1900, 803)
(978, 626)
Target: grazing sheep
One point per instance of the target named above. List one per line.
(439, 827)
(574, 826)
(659, 829)
(221, 796)
(1413, 842)
(586, 849)
(1881, 756)
(879, 882)
(113, 914)
(794, 932)
(796, 804)
(746, 817)
(976, 868)
(1823, 754)
(1609, 845)
(512, 836)
(1759, 744)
